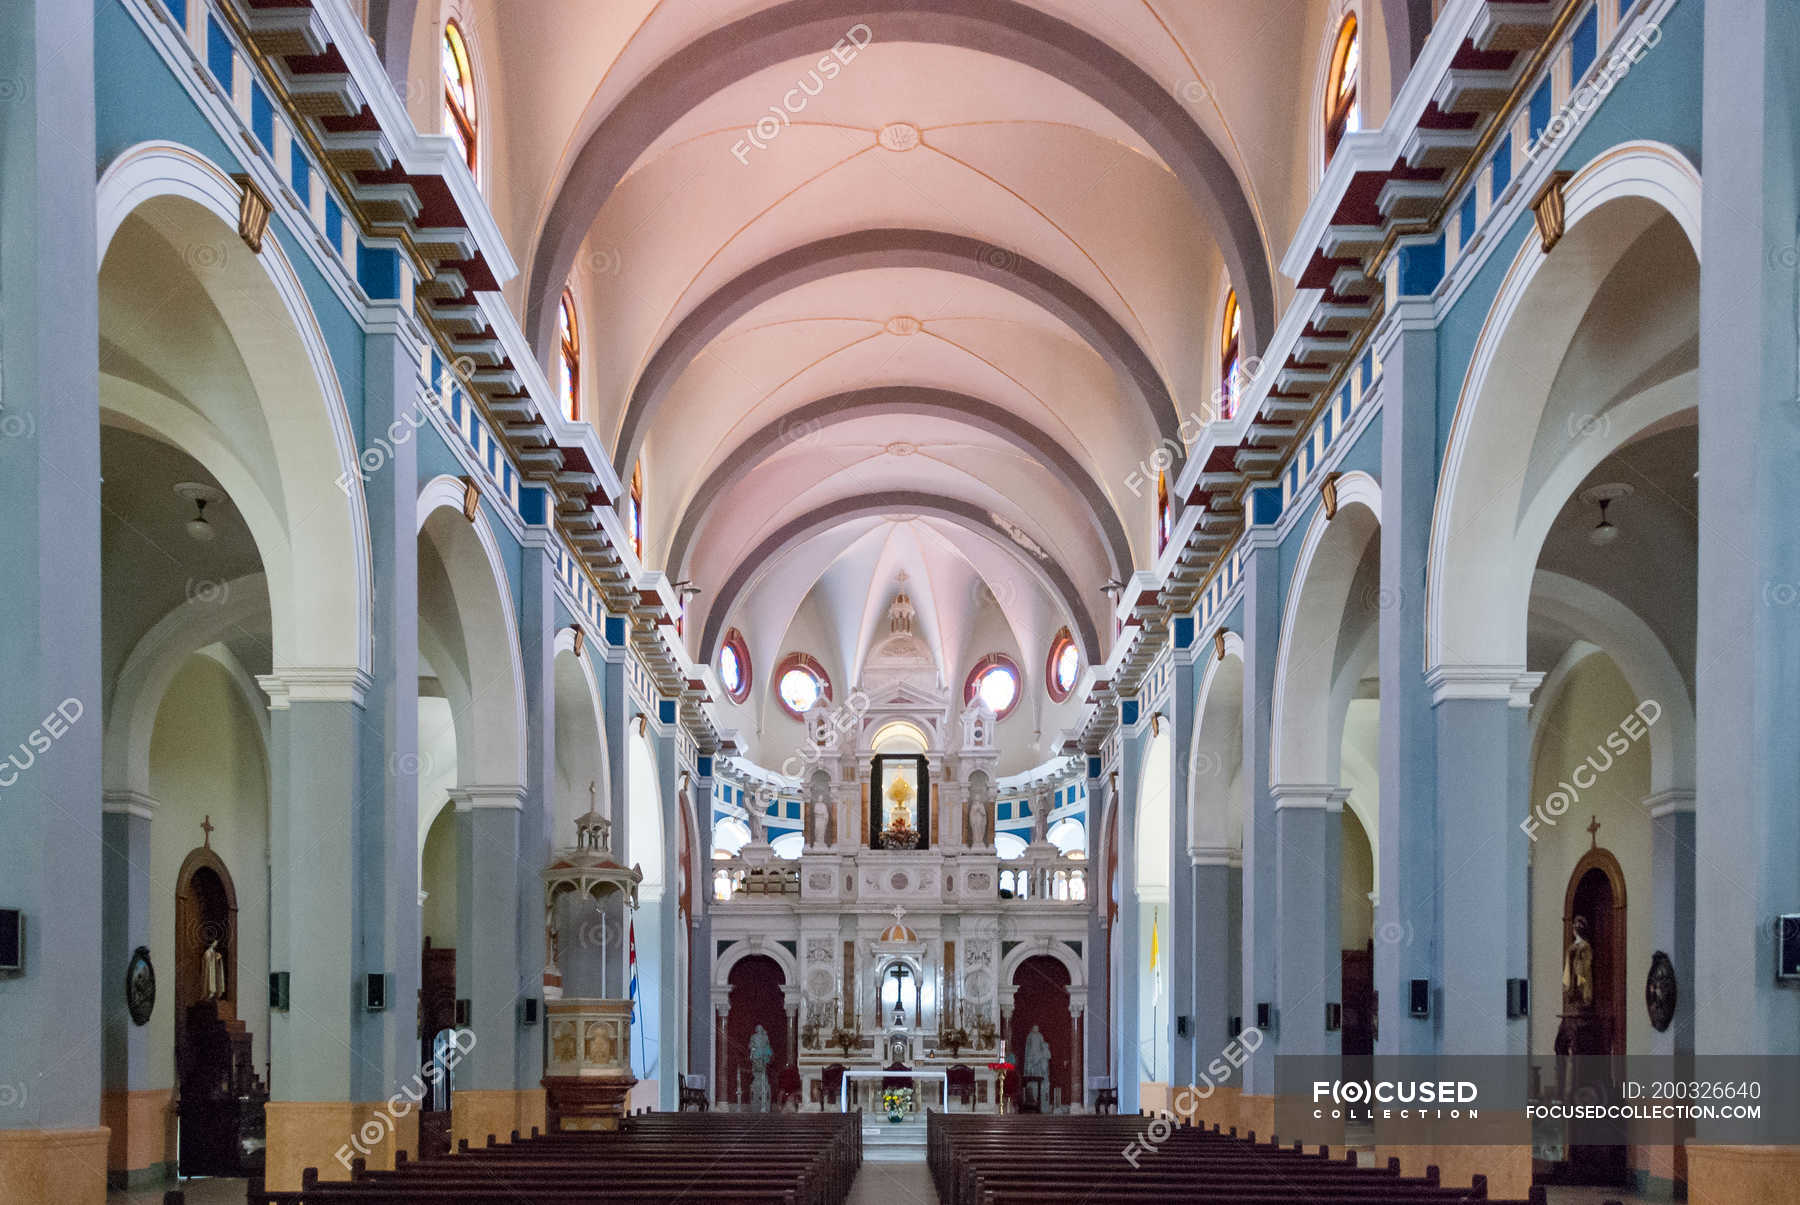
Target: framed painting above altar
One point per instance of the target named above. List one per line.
(899, 802)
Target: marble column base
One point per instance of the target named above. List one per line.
(53, 1167)
(328, 1135)
(477, 1112)
(1743, 1173)
(1507, 1168)
(141, 1149)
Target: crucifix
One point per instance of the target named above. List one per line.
(206, 826)
(1593, 829)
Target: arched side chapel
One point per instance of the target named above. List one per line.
(1402, 669)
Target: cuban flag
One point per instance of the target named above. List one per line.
(631, 964)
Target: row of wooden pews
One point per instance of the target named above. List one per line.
(979, 1159)
(660, 1158)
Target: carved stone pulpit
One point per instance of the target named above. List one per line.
(589, 897)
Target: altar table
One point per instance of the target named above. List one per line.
(877, 1073)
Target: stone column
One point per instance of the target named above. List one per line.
(1262, 639)
(539, 620)
(1096, 1035)
(1184, 925)
(671, 966)
(1309, 962)
(1672, 908)
(615, 719)
(700, 940)
(1215, 949)
(133, 1109)
(1748, 657)
(488, 819)
(51, 1144)
(387, 878)
(721, 1010)
(317, 730)
(1128, 932)
(1484, 748)
(1406, 938)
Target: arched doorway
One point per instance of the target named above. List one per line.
(756, 1000)
(220, 1093)
(1041, 1005)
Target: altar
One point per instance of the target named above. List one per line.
(877, 1073)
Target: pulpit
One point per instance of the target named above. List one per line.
(589, 897)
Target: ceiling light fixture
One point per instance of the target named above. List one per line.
(198, 528)
(1605, 532)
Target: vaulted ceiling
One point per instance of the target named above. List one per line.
(873, 285)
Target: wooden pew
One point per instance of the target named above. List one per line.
(769, 1159)
(1010, 1160)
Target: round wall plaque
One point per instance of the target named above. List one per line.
(140, 986)
(1661, 991)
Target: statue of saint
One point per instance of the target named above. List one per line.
(758, 809)
(212, 967)
(978, 817)
(1037, 1057)
(1578, 971)
(821, 824)
(760, 1054)
(1040, 818)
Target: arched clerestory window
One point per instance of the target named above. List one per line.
(570, 384)
(459, 93)
(1230, 353)
(1343, 109)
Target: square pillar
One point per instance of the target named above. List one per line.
(1483, 771)
(52, 1145)
(1406, 935)
(1309, 962)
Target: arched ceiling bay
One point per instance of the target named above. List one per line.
(1026, 213)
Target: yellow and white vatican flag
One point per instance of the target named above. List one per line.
(1155, 958)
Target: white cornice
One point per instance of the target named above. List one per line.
(314, 684)
(419, 154)
(1482, 682)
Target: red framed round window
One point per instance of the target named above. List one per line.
(800, 682)
(1062, 667)
(997, 682)
(734, 666)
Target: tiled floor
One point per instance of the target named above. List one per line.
(892, 1184)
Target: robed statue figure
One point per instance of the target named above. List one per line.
(1578, 971)
(760, 1054)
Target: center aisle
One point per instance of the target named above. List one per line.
(893, 1171)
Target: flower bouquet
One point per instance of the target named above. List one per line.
(899, 836)
(898, 1102)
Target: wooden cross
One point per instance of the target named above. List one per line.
(1593, 829)
(206, 826)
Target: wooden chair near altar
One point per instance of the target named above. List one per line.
(831, 1083)
(788, 1088)
(959, 1082)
